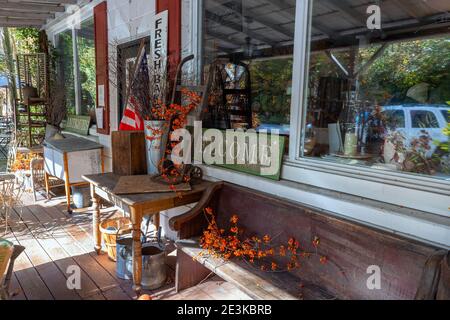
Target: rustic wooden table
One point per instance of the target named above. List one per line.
(136, 206)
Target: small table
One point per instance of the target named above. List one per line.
(136, 206)
(69, 159)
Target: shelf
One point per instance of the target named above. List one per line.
(36, 101)
(25, 114)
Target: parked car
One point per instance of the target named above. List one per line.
(412, 119)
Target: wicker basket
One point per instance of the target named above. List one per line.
(111, 229)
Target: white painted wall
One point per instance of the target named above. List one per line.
(127, 20)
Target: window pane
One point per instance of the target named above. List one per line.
(378, 87)
(251, 44)
(66, 74)
(86, 58)
(395, 118)
(446, 115)
(424, 119)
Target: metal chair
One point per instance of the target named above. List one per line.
(8, 254)
(40, 179)
(10, 196)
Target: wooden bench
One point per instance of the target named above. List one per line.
(409, 269)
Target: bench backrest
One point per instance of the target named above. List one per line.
(351, 248)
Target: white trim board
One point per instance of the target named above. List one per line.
(418, 225)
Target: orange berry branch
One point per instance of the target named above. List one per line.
(175, 116)
(259, 252)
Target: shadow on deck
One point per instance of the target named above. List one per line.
(56, 241)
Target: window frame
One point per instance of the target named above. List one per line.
(73, 28)
(406, 190)
(409, 190)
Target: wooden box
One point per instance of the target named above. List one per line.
(128, 153)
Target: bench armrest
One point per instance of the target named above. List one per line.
(178, 223)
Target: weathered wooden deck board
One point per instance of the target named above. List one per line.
(54, 241)
(35, 239)
(29, 281)
(79, 242)
(89, 260)
(88, 287)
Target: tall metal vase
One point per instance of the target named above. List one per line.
(156, 135)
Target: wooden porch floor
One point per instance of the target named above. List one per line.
(55, 241)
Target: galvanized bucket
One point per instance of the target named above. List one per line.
(153, 263)
(153, 266)
(124, 264)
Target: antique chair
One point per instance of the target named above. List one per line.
(39, 178)
(10, 196)
(8, 255)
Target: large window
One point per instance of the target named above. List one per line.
(76, 50)
(66, 69)
(378, 85)
(86, 62)
(251, 46)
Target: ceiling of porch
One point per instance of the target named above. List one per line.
(30, 13)
(232, 23)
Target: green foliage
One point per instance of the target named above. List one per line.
(26, 39)
(65, 62)
(406, 64)
(271, 80)
(86, 56)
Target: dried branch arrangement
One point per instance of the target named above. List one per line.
(57, 106)
(56, 110)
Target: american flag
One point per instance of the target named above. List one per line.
(137, 95)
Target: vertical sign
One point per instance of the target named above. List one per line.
(159, 52)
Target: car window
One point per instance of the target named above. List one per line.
(446, 114)
(395, 119)
(424, 119)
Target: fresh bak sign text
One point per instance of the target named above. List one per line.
(159, 50)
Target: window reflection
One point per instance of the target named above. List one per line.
(251, 46)
(380, 97)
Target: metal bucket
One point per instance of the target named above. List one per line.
(153, 263)
(81, 197)
(153, 266)
(124, 264)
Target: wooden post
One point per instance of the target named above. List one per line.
(136, 218)
(96, 221)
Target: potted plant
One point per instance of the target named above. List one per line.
(148, 95)
(394, 149)
(417, 158)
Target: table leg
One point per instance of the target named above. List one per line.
(67, 180)
(137, 250)
(47, 185)
(96, 221)
(67, 187)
